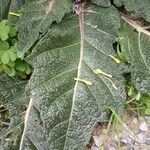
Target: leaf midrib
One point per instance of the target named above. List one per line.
(81, 25)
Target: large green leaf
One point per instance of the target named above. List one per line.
(4, 8)
(140, 8)
(136, 47)
(39, 14)
(12, 102)
(63, 110)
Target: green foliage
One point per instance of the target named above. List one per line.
(77, 73)
(4, 30)
(10, 63)
(139, 101)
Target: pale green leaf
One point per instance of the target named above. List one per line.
(7, 69)
(4, 30)
(5, 58)
(12, 55)
(147, 111)
(145, 99)
(11, 64)
(13, 72)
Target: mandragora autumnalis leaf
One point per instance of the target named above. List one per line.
(12, 102)
(136, 47)
(75, 78)
(38, 17)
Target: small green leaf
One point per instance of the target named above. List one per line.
(138, 96)
(4, 46)
(121, 54)
(145, 99)
(147, 111)
(13, 48)
(5, 58)
(20, 66)
(11, 64)
(22, 76)
(148, 104)
(28, 70)
(13, 31)
(130, 91)
(4, 30)
(14, 41)
(7, 70)
(12, 55)
(12, 73)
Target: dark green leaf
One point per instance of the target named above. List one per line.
(63, 110)
(145, 99)
(4, 8)
(137, 51)
(20, 66)
(38, 16)
(140, 8)
(14, 100)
